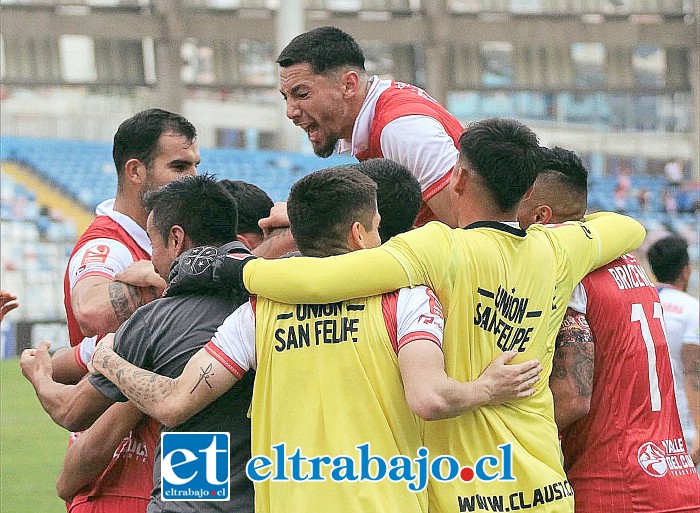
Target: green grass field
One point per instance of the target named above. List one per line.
(31, 448)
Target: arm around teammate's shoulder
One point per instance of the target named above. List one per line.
(171, 401)
(323, 280)
(617, 234)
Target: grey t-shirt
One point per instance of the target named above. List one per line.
(162, 336)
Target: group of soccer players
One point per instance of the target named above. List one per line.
(472, 336)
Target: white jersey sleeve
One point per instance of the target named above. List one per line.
(418, 316)
(691, 335)
(99, 257)
(233, 344)
(422, 145)
(579, 299)
(84, 350)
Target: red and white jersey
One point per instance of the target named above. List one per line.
(401, 122)
(628, 454)
(111, 243)
(681, 317)
(130, 473)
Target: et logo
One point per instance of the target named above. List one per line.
(195, 466)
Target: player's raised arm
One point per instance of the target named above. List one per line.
(322, 280)
(73, 407)
(618, 234)
(598, 240)
(101, 304)
(170, 401)
(293, 280)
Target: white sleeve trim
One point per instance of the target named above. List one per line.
(579, 299)
(419, 312)
(236, 337)
(87, 347)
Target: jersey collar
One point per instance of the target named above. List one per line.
(511, 227)
(106, 208)
(363, 122)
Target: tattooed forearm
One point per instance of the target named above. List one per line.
(125, 300)
(575, 353)
(146, 389)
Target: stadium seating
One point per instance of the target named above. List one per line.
(35, 247)
(85, 170)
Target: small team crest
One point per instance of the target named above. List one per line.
(652, 459)
(96, 255)
(199, 260)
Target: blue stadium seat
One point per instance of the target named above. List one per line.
(85, 170)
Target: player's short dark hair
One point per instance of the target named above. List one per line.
(569, 164)
(204, 209)
(325, 49)
(567, 170)
(399, 197)
(506, 155)
(253, 204)
(138, 136)
(667, 258)
(323, 205)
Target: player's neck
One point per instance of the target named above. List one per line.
(482, 209)
(129, 204)
(678, 285)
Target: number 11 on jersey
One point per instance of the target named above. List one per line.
(638, 315)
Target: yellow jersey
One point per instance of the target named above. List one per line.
(328, 401)
(501, 288)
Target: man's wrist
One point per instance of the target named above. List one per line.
(480, 393)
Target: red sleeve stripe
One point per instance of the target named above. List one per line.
(78, 359)
(389, 305)
(437, 186)
(224, 359)
(418, 335)
(95, 273)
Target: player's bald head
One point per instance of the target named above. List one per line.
(560, 192)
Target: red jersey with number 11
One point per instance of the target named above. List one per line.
(628, 454)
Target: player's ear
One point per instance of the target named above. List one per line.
(135, 171)
(460, 177)
(356, 237)
(177, 241)
(686, 272)
(244, 240)
(351, 83)
(543, 214)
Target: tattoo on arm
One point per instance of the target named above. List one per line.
(204, 375)
(124, 303)
(146, 389)
(575, 352)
